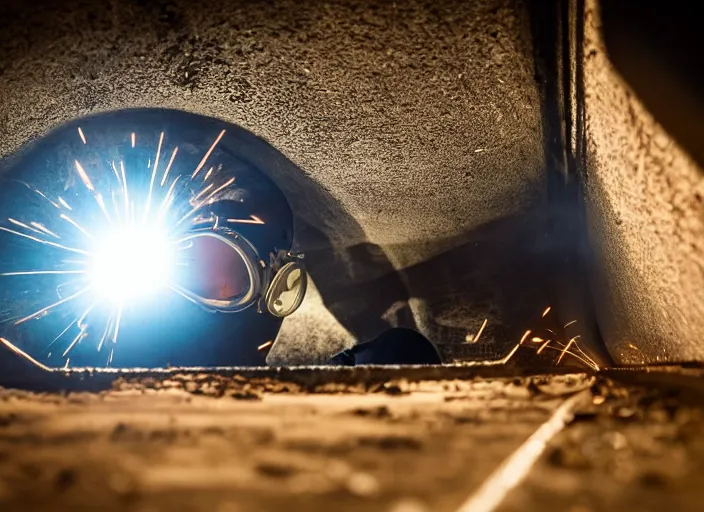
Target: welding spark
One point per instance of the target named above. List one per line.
(23, 225)
(45, 242)
(475, 338)
(566, 348)
(207, 155)
(253, 219)
(168, 166)
(84, 176)
(571, 348)
(44, 230)
(524, 337)
(544, 346)
(64, 204)
(265, 346)
(128, 255)
(154, 171)
(22, 353)
(43, 272)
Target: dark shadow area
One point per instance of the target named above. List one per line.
(505, 271)
(393, 347)
(557, 32)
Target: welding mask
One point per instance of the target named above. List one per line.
(228, 275)
(107, 205)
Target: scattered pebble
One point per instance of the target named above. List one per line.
(616, 440)
(625, 412)
(363, 484)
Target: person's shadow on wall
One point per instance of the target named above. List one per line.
(505, 271)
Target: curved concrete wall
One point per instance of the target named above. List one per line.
(645, 202)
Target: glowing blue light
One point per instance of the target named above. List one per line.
(131, 263)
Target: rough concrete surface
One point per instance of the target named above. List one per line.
(646, 214)
(636, 448)
(421, 120)
(202, 442)
(384, 104)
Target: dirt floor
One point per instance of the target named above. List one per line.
(636, 448)
(211, 442)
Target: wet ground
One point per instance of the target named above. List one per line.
(249, 442)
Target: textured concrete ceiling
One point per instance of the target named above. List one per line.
(405, 112)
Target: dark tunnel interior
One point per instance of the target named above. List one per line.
(408, 256)
(457, 169)
(496, 268)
